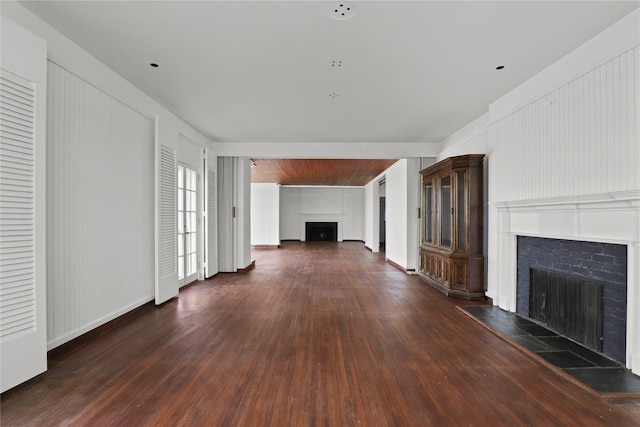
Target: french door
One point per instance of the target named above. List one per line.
(187, 225)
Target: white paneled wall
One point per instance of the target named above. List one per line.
(100, 202)
(265, 214)
(289, 213)
(413, 220)
(332, 204)
(579, 139)
(396, 210)
(353, 223)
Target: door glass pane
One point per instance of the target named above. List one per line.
(192, 185)
(180, 224)
(427, 208)
(461, 209)
(445, 212)
(181, 247)
(192, 264)
(192, 222)
(180, 267)
(187, 222)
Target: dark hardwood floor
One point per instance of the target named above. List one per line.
(323, 334)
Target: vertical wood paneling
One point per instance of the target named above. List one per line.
(579, 139)
(99, 206)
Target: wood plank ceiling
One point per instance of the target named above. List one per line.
(333, 172)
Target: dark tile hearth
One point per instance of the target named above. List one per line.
(606, 377)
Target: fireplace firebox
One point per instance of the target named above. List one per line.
(572, 287)
(570, 306)
(321, 231)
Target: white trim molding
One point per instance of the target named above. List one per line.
(607, 218)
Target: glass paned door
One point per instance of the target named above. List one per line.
(461, 210)
(427, 208)
(445, 211)
(187, 225)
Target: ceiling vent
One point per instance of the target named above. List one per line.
(342, 10)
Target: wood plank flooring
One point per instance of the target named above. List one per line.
(318, 334)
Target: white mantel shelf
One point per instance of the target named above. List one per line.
(607, 218)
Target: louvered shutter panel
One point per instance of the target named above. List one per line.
(212, 222)
(226, 247)
(17, 206)
(168, 212)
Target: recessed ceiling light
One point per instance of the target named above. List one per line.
(499, 67)
(153, 64)
(342, 10)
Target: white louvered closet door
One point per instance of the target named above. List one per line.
(22, 332)
(212, 223)
(167, 281)
(226, 215)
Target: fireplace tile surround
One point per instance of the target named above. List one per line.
(612, 218)
(597, 374)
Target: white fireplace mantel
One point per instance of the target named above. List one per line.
(304, 218)
(606, 218)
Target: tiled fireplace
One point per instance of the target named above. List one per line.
(594, 239)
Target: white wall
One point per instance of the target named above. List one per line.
(396, 209)
(401, 190)
(353, 214)
(413, 220)
(563, 160)
(372, 215)
(265, 214)
(243, 212)
(290, 213)
(82, 294)
(580, 138)
(190, 153)
(100, 199)
(324, 150)
(331, 204)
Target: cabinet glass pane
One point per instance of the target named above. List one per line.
(445, 212)
(461, 210)
(427, 209)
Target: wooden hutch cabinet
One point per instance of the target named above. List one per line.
(451, 258)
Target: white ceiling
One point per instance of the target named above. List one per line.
(244, 71)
